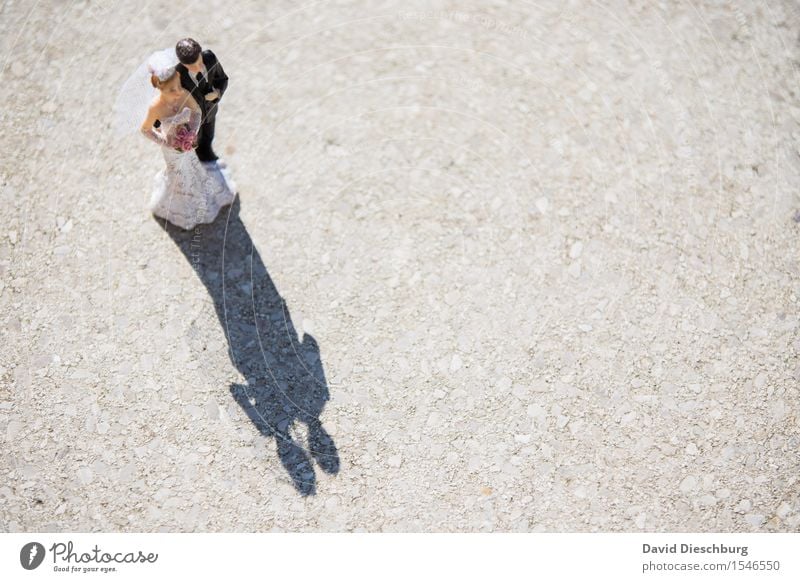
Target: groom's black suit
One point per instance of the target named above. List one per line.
(215, 80)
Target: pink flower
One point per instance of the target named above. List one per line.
(183, 138)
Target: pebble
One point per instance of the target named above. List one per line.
(576, 250)
(212, 409)
(504, 383)
(688, 484)
(641, 520)
(542, 204)
(754, 519)
(537, 413)
(18, 69)
(85, 475)
(707, 500)
(127, 472)
(13, 429)
(520, 390)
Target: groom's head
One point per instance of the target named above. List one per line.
(188, 51)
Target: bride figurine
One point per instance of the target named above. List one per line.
(188, 192)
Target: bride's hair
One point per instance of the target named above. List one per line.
(159, 81)
(162, 67)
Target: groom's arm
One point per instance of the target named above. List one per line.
(220, 79)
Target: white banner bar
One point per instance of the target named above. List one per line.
(310, 556)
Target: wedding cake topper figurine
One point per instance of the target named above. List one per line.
(172, 99)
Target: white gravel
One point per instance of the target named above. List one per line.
(547, 252)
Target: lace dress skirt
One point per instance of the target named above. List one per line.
(189, 192)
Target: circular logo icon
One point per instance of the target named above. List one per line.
(31, 555)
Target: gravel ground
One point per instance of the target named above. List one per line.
(495, 266)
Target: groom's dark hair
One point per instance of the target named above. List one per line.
(187, 49)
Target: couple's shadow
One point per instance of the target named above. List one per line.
(286, 383)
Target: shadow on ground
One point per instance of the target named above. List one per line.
(286, 386)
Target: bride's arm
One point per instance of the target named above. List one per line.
(194, 121)
(147, 127)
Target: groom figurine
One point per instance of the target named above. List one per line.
(203, 77)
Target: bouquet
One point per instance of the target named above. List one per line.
(183, 138)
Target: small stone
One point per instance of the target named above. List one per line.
(13, 429)
(99, 468)
(576, 250)
(691, 449)
(744, 506)
(455, 363)
(394, 461)
(580, 492)
(212, 409)
(127, 472)
(85, 475)
(640, 520)
(537, 413)
(542, 204)
(688, 484)
(504, 383)
(779, 410)
(575, 270)
(783, 510)
(12, 236)
(754, 519)
(18, 69)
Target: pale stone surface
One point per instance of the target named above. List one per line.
(534, 267)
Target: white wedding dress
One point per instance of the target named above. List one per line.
(189, 192)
